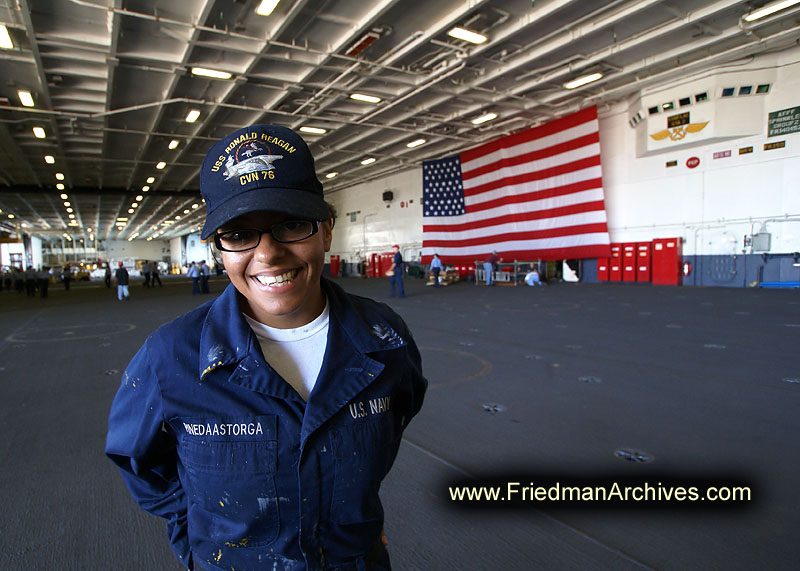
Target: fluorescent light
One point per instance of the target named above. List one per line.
(25, 98)
(192, 116)
(131, 210)
(11, 216)
(60, 186)
(205, 72)
(5, 38)
(150, 179)
(64, 196)
(134, 204)
(67, 203)
(582, 80)
(39, 133)
(467, 35)
(49, 159)
(416, 143)
(484, 118)
(368, 161)
(59, 176)
(70, 210)
(172, 144)
(266, 7)
(186, 211)
(195, 206)
(139, 197)
(122, 219)
(371, 98)
(770, 9)
(71, 215)
(161, 165)
(314, 130)
(145, 188)
(331, 174)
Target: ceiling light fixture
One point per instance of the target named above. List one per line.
(131, 210)
(416, 143)
(161, 165)
(583, 80)
(25, 98)
(134, 204)
(39, 133)
(145, 188)
(60, 186)
(64, 196)
(368, 161)
(205, 72)
(172, 145)
(484, 118)
(11, 216)
(5, 38)
(467, 35)
(139, 197)
(67, 203)
(70, 210)
(331, 175)
(770, 9)
(372, 98)
(150, 179)
(194, 206)
(59, 176)
(192, 116)
(266, 7)
(313, 130)
(122, 219)
(49, 159)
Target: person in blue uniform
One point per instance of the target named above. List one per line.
(396, 272)
(261, 424)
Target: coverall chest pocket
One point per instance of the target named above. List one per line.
(230, 480)
(363, 452)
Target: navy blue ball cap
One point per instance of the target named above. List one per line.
(260, 168)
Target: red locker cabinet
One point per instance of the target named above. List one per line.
(629, 262)
(643, 261)
(602, 269)
(667, 260)
(615, 263)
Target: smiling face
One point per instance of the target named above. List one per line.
(279, 283)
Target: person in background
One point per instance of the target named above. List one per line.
(489, 266)
(30, 281)
(108, 275)
(19, 279)
(155, 275)
(262, 423)
(204, 273)
(146, 273)
(44, 280)
(532, 278)
(436, 267)
(121, 276)
(66, 275)
(396, 273)
(194, 273)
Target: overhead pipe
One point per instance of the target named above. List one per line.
(237, 35)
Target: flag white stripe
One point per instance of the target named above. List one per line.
(558, 160)
(580, 219)
(595, 239)
(535, 186)
(537, 144)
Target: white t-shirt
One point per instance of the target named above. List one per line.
(296, 354)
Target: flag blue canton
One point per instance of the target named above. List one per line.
(442, 190)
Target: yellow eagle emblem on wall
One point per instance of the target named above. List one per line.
(678, 133)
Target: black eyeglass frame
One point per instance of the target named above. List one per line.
(218, 240)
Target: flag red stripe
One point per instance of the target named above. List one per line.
(537, 155)
(567, 253)
(537, 195)
(510, 236)
(532, 176)
(517, 217)
(568, 122)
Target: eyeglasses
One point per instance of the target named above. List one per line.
(284, 232)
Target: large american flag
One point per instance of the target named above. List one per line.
(533, 195)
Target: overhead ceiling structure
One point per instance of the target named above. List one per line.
(114, 84)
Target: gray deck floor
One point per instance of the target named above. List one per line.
(700, 379)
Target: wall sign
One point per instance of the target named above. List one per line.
(783, 122)
(775, 145)
(722, 154)
(692, 162)
(672, 164)
(745, 150)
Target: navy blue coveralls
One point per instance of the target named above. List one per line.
(248, 475)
